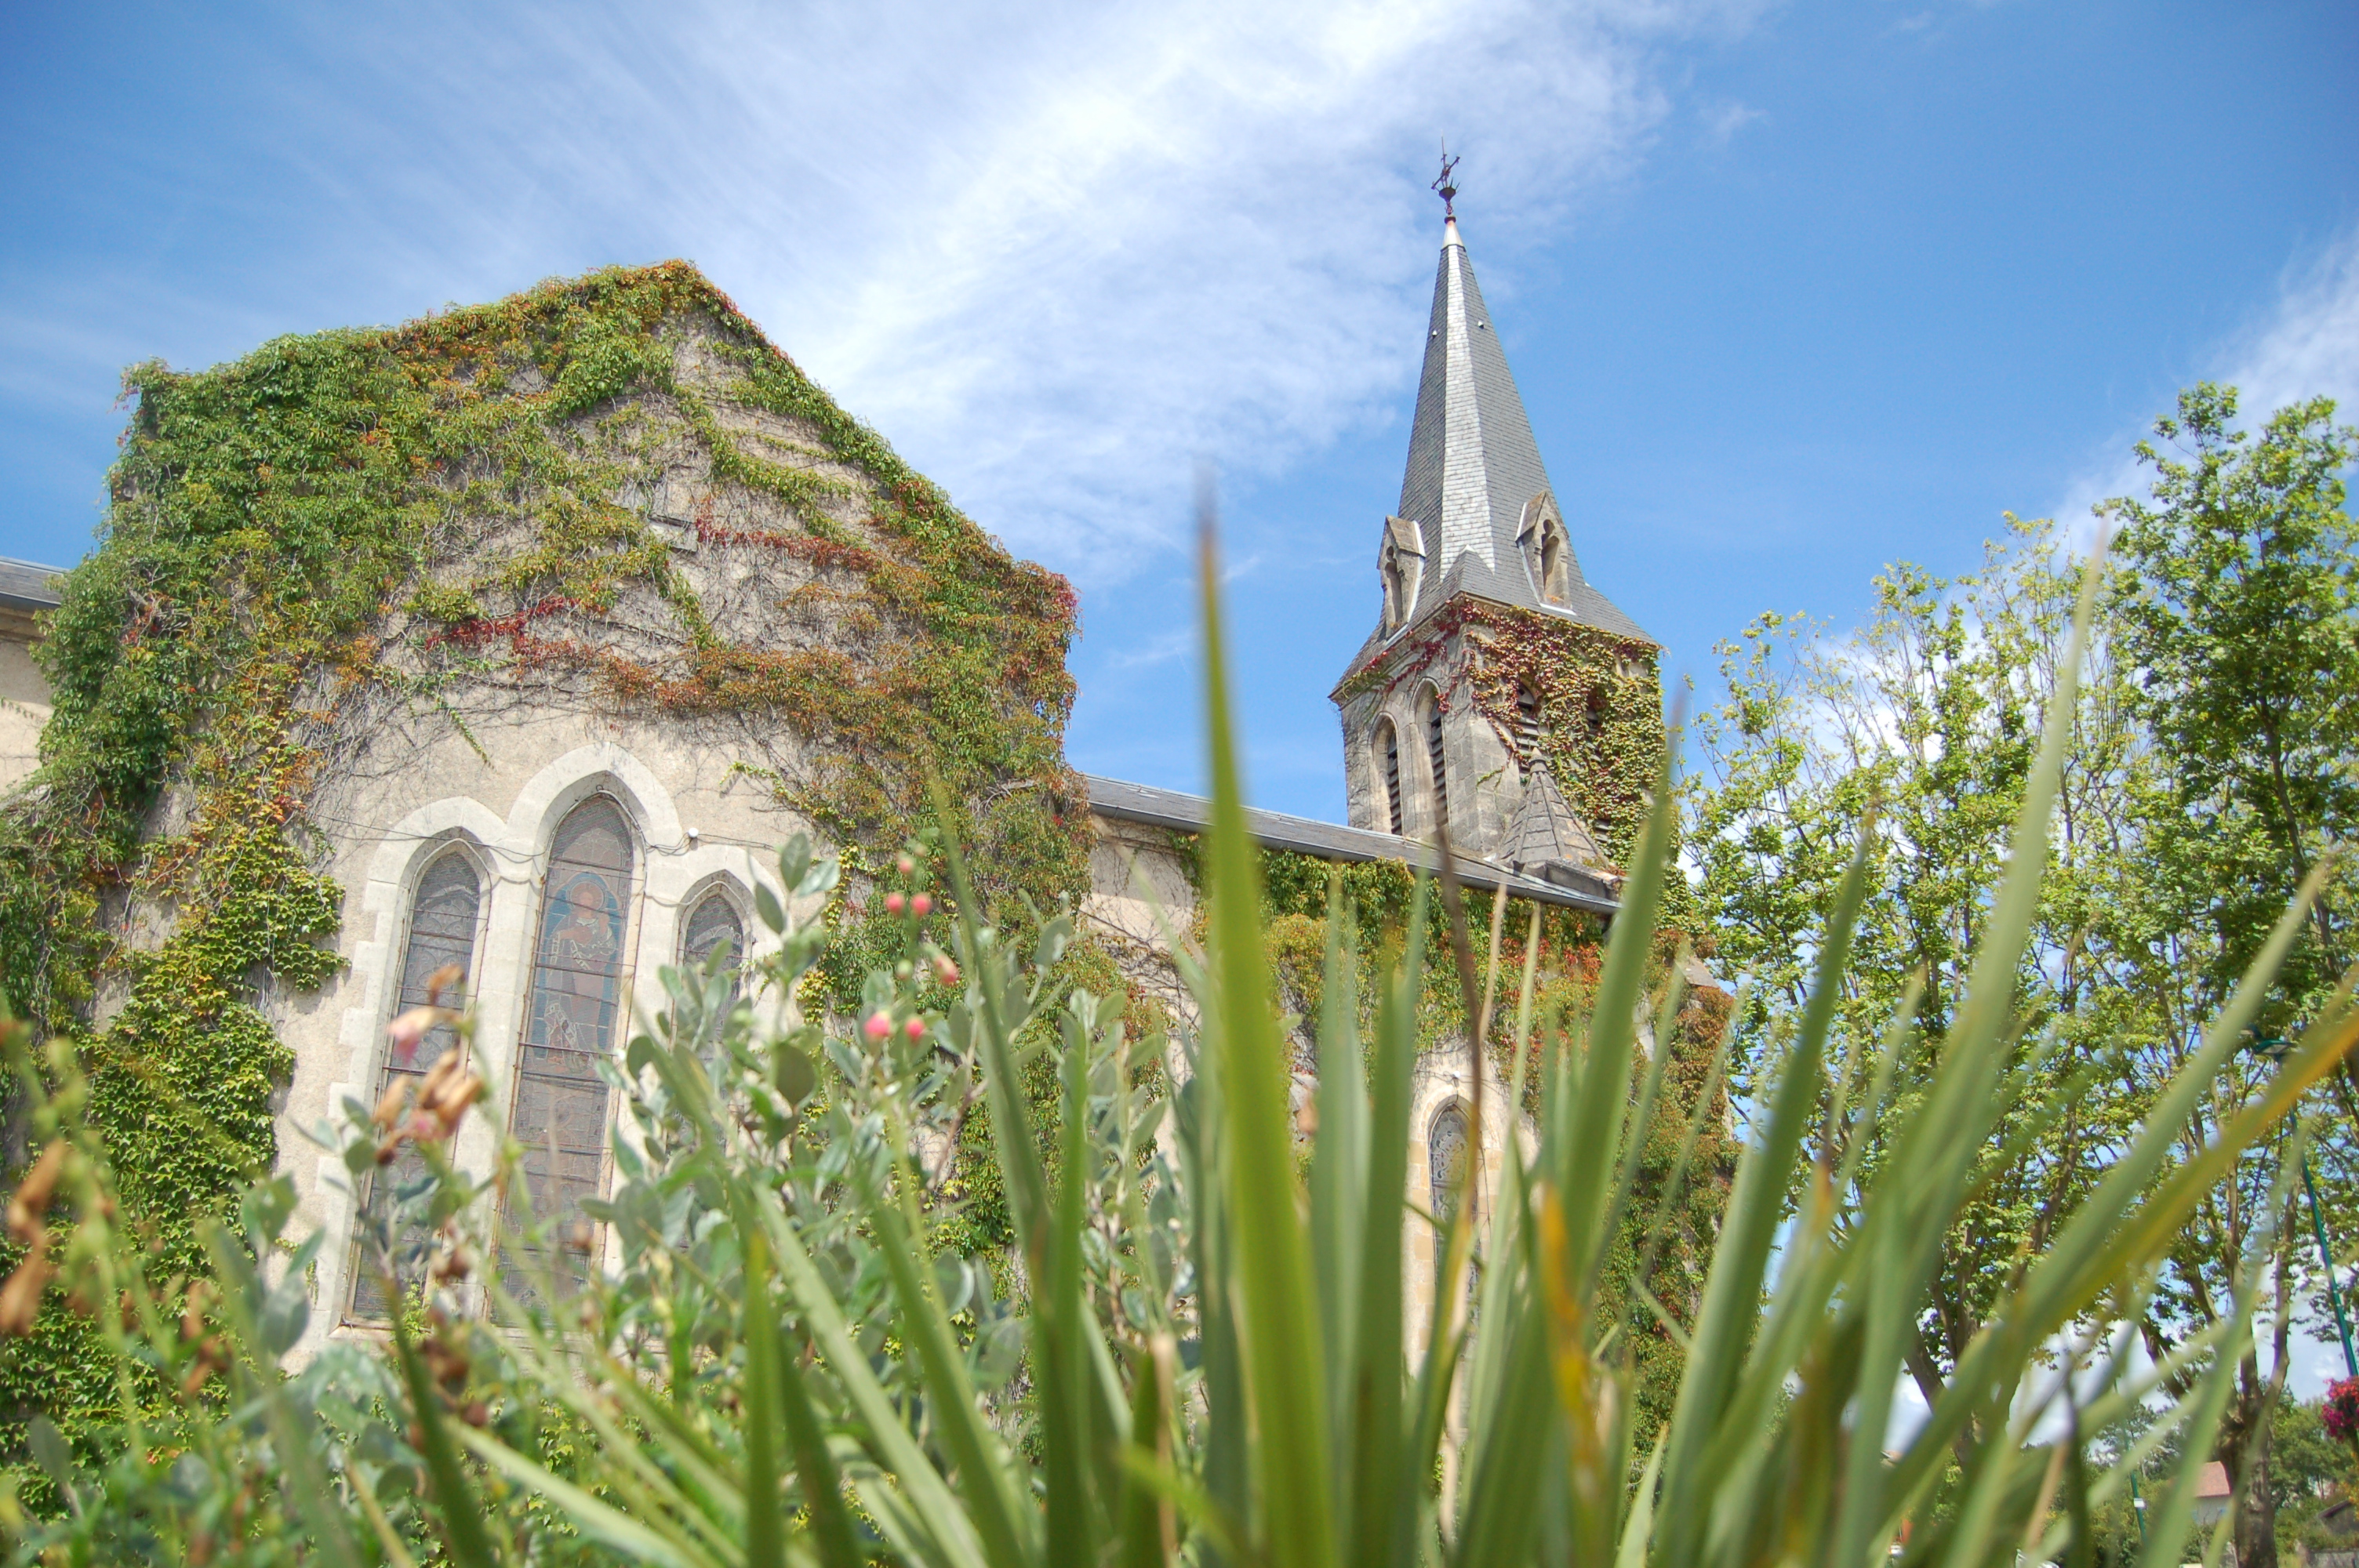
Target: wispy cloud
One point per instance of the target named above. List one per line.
(1161, 649)
(1056, 252)
(2306, 345)
(1722, 122)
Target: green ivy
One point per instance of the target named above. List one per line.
(308, 525)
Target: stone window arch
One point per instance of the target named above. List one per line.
(1548, 549)
(1388, 771)
(1445, 1158)
(445, 918)
(1436, 759)
(576, 1017)
(716, 918)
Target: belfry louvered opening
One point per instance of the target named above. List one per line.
(1389, 766)
(1434, 759)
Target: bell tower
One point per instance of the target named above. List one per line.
(1500, 693)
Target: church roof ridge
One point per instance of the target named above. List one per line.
(1473, 464)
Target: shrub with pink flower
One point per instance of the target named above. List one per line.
(2342, 1409)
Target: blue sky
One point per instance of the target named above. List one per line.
(1791, 291)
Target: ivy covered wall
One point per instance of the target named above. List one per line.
(608, 498)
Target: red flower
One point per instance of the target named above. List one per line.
(2342, 1409)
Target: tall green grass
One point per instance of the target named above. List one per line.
(1189, 1353)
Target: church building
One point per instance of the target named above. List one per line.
(590, 688)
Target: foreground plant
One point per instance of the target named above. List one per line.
(1187, 1354)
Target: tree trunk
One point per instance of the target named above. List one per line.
(2256, 1513)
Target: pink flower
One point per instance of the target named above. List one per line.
(944, 970)
(921, 907)
(893, 903)
(2342, 1409)
(878, 1026)
(905, 866)
(916, 1027)
(411, 1028)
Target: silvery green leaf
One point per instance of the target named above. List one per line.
(285, 1310)
(794, 860)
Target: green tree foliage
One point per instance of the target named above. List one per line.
(2206, 775)
(2238, 623)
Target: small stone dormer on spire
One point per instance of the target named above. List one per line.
(1492, 654)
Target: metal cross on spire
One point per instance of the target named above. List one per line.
(1446, 182)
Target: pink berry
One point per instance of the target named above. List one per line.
(946, 970)
(917, 1028)
(921, 905)
(905, 866)
(893, 903)
(878, 1026)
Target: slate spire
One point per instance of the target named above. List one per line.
(1475, 488)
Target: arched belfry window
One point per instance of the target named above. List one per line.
(441, 941)
(575, 1019)
(714, 922)
(1388, 769)
(1434, 759)
(1445, 1158)
(1548, 551)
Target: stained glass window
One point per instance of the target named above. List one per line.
(441, 935)
(714, 923)
(575, 1019)
(1446, 1158)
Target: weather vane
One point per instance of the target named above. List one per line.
(1446, 182)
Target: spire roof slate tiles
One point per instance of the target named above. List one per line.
(1473, 464)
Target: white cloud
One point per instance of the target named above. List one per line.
(1722, 123)
(2310, 346)
(1056, 254)
(2305, 345)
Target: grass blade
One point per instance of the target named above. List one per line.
(1282, 1358)
(462, 1523)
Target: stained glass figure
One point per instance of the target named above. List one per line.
(575, 1019)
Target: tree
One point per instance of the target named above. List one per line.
(2209, 774)
(1928, 717)
(2238, 615)
(2235, 614)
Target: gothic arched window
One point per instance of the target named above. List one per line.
(1527, 722)
(575, 1019)
(1445, 1158)
(1433, 757)
(1548, 553)
(713, 924)
(1388, 764)
(442, 918)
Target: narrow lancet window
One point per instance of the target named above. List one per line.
(1445, 1151)
(1527, 722)
(1388, 759)
(441, 941)
(574, 1023)
(713, 924)
(1434, 759)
